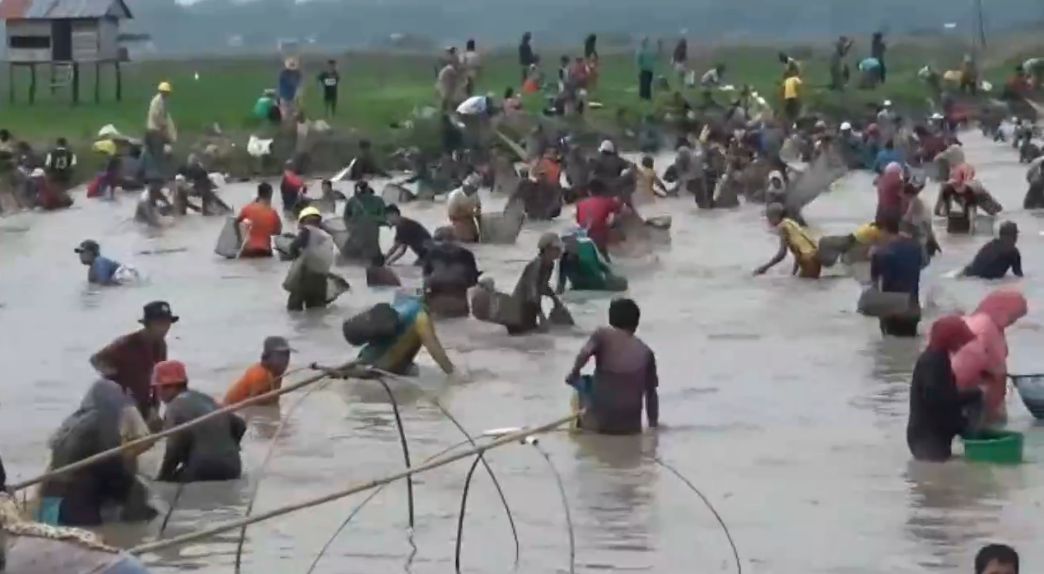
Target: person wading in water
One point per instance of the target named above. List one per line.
(208, 451)
(130, 359)
(625, 376)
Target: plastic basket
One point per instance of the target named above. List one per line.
(998, 447)
(1031, 391)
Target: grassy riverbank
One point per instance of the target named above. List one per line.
(380, 90)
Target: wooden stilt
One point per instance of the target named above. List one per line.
(32, 84)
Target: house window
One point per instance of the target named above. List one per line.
(29, 42)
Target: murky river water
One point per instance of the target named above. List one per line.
(785, 406)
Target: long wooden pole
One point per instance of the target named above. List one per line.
(149, 440)
(521, 435)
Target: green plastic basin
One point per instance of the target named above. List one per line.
(998, 447)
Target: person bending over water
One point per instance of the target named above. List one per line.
(208, 451)
(406, 328)
(794, 239)
(896, 268)
(936, 405)
(106, 419)
(408, 235)
(998, 256)
(100, 270)
(595, 213)
(625, 376)
(534, 284)
(583, 266)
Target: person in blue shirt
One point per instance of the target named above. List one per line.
(887, 155)
(100, 270)
(896, 268)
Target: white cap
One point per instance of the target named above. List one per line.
(607, 147)
(38, 172)
(845, 126)
(887, 103)
(937, 116)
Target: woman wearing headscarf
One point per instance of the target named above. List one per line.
(957, 191)
(106, 419)
(985, 361)
(936, 404)
(889, 192)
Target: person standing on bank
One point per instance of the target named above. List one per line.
(330, 79)
(129, 360)
(526, 56)
(646, 60)
(877, 51)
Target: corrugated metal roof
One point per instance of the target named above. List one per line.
(58, 9)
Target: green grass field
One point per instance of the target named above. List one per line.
(381, 88)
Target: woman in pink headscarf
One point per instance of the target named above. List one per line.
(985, 360)
(889, 192)
(957, 193)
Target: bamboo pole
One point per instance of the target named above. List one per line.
(232, 525)
(147, 441)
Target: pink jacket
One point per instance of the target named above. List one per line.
(985, 360)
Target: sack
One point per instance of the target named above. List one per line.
(293, 275)
(882, 304)
(505, 310)
(378, 322)
(228, 243)
(281, 244)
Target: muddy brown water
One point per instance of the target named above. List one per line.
(779, 401)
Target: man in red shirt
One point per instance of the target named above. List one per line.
(128, 361)
(595, 214)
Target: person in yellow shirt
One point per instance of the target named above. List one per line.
(794, 239)
(395, 351)
(792, 97)
(264, 376)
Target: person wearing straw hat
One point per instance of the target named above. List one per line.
(208, 451)
(129, 360)
(289, 88)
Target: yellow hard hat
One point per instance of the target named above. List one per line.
(164, 87)
(308, 212)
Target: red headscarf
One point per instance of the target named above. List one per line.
(949, 334)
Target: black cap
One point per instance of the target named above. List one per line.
(1008, 228)
(88, 246)
(158, 310)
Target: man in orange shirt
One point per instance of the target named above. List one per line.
(263, 223)
(264, 376)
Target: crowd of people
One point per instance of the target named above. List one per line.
(958, 382)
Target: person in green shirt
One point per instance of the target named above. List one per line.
(584, 267)
(266, 107)
(363, 218)
(646, 60)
